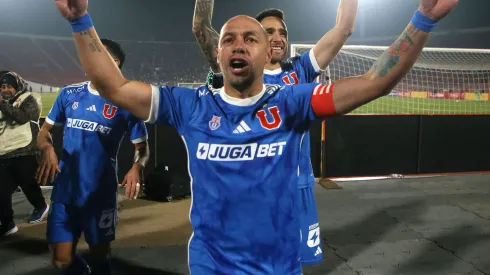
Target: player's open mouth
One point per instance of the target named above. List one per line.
(238, 65)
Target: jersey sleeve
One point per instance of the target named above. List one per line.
(137, 130)
(309, 66)
(172, 105)
(312, 101)
(56, 115)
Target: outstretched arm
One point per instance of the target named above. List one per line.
(205, 35)
(330, 44)
(389, 69)
(101, 69)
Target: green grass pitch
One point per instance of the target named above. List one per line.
(47, 101)
(386, 105)
(424, 106)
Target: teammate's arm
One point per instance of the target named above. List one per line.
(330, 44)
(389, 69)
(100, 66)
(104, 74)
(205, 35)
(49, 161)
(134, 178)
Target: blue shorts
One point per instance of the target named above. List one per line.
(66, 223)
(311, 243)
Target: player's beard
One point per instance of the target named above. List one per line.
(277, 58)
(242, 83)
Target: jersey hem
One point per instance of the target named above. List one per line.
(139, 140)
(314, 262)
(51, 122)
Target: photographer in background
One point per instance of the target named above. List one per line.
(19, 125)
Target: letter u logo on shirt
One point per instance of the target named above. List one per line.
(264, 120)
(291, 79)
(109, 111)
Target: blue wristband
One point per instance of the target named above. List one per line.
(423, 22)
(82, 23)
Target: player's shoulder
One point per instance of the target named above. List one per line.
(273, 88)
(179, 89)
(74, 89)
(302, 89)
(294, 62)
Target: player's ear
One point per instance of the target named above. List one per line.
(217, 55)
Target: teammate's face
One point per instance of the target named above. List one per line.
(243, 51)
(278, 37)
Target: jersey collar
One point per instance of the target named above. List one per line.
(273, 72)
(241, 101)
(90, 89)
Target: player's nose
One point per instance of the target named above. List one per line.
(238, 49)
(275, 37)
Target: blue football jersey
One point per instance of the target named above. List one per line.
(304, 69)
(243, 161)
(93, 131)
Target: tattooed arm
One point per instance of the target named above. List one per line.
(330, 44)
(391, 66)
(205, 35)
(101, 69)
(389, 69)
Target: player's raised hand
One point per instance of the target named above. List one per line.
(437, 9)
(72, 9)
(48, 167)
(132, 182)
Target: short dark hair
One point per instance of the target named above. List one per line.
(115, 50)
(277, 13)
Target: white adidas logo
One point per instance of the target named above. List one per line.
(318, 251)
(92, 108)
(242, 128)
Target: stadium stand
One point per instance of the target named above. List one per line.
(53, 60)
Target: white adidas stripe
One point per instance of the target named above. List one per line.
(245, 126)
(242, 128)
(92, 108)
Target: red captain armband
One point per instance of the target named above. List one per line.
(322, 100)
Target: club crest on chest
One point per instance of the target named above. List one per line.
(215, 122)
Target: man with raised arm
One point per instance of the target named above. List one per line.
(84, 197)
(245, 207)
(283, 71)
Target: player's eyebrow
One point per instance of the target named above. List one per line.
(233, 34)
(226, 34)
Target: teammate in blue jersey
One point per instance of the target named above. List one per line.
(283, 71)
(244, 140)
(84, 196)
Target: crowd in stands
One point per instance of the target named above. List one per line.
(54, 61)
